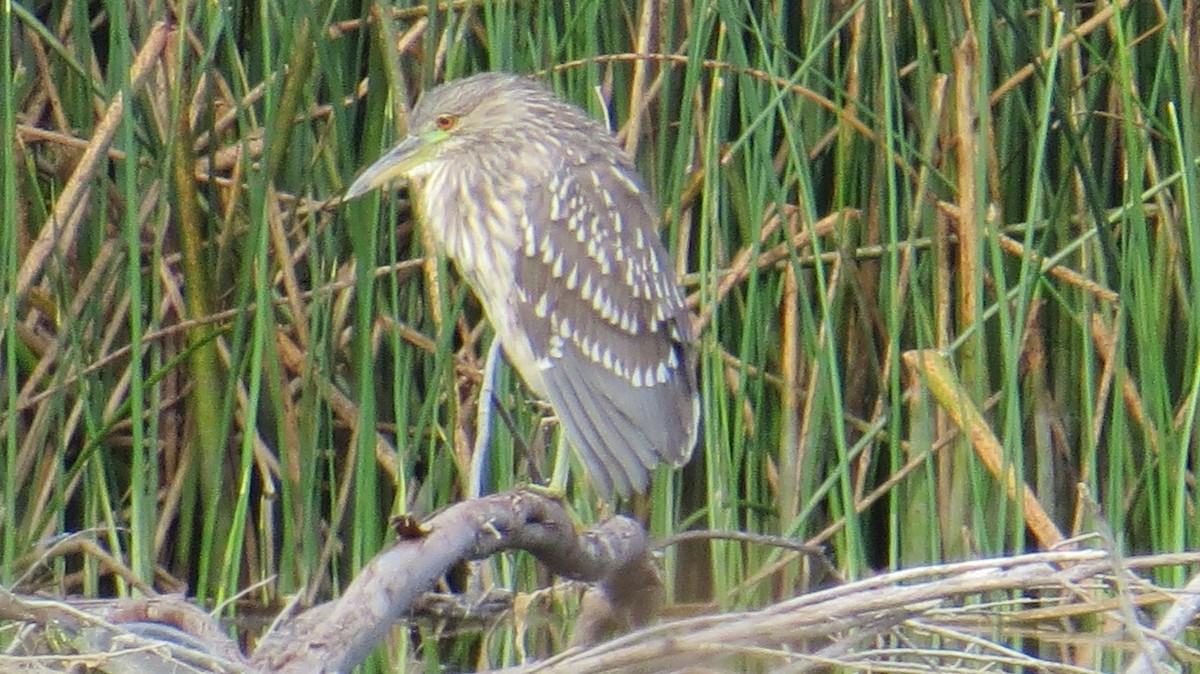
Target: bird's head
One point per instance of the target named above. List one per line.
(492, 118)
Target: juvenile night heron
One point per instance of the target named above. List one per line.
(549, 222)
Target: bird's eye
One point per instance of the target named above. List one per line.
(446, 122)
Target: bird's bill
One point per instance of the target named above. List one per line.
(409, 154)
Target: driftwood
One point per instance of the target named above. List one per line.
(1027, 613)
(339, 634)
(157, 634)
(170, 634)
(1056, 612)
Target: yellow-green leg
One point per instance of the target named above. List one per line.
(562, 466)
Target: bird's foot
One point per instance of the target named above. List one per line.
(550, 491)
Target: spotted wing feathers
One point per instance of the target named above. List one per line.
(605, 320)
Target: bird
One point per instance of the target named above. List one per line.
(549, 222)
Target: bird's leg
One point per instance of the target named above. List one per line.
(562, 466)
(557, 487)
(483, 421)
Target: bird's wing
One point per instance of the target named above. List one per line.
(610, 335)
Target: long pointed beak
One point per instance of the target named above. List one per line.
(409, 154)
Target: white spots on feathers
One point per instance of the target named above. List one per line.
(629, 323)
(602, 304)
(564, 331)
(556, 348)
(625, 179)
(575, 224)
(603, 286)
(560, 192)
(529, 235)
(673, 330)
(585, 291)
(655, 267)
(605, 264)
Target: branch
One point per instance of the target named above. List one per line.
(337, 635)
(155, 634)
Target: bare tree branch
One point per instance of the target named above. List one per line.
(337, 635)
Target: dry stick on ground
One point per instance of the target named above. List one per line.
(943, 598)
(165, 632)
(1170, 626)
(339, 634)
(956, 601)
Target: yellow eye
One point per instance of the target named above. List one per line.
(445, 122)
